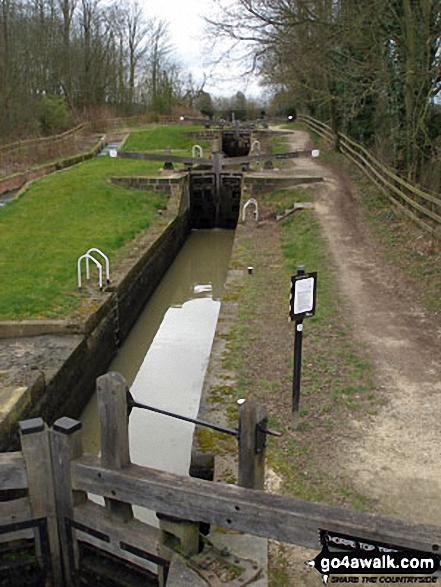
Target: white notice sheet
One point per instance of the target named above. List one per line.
(304, 295)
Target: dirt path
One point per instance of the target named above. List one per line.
(392, 457)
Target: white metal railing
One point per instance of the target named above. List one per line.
(255, 147)
(197, 151)
(88, 257)
(256, 209)
(95, 250)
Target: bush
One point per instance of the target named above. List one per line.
(54, 115)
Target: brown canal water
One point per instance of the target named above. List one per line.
(165, 357)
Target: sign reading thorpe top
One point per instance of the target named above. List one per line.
(303, 296)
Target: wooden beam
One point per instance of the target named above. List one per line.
(263, 514)
(15, 510)
(12, 471)
(226, 161)
(251, 470)
(114, 420)
(122, 538)
(164, 157)
(66, 444)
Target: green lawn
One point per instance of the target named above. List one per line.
(45, 231)
(158, 138)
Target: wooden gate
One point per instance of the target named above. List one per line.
(56, 512)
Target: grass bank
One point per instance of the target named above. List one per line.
(58, 219)
(158, 138)
(337, 380)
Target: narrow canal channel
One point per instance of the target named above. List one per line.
(166, 355)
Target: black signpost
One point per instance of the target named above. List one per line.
(302, 305)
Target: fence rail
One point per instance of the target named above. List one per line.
(23, 155)
(421, 207)
(58, 477)
(29, 143)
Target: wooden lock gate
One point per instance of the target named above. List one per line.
(44, 501)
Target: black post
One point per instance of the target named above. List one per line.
(298, 339)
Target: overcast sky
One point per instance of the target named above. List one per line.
(186, 26)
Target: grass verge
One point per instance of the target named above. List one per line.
(45, 231)
(337, 380)
(160, 137)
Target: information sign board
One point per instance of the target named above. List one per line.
(303, 296)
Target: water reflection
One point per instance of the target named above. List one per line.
(164, 359)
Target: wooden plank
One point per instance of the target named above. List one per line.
(388, 172)
(258, 158)
(15, 510)
(27, 534)
(399, 193)
(12, 471)
(34, 437)
(11, 512)
(133, 533)
(164, 157)
(94, 515)
(271, 516)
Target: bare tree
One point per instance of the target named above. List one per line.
(136, 38)
(353, 63)
(67, 10)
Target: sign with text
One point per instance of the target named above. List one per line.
(303, 296)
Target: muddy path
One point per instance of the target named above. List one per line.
(392, 457)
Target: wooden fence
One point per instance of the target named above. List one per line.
(38, 149)
(421, 207)
(57, 477)
(14, 157)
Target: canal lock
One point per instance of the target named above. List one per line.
(166, 354)
(215, 195)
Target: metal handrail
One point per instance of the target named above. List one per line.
(256, 209)
(93, 249)
(97, 263)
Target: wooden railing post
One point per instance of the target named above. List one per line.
(66, 445)
(115, 452)
(253, 419)
(36, 452)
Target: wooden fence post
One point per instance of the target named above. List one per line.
(66, 445)
(115, 452)
(253, 419)
(36, 452)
